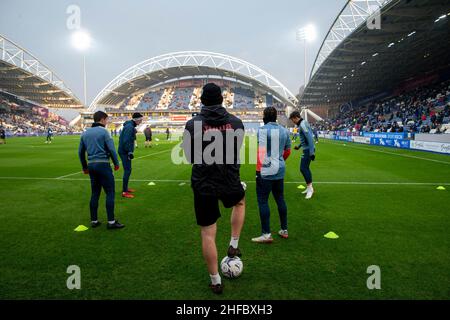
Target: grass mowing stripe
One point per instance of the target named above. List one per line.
(148, 155)
(401, 226)
(387, 152)
(286, 182)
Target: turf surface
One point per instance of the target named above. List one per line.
(382, 202)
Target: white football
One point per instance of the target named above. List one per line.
(231, 267)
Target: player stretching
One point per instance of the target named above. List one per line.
(307, 143)
(218, 179)
(99, 145)
(148, 137)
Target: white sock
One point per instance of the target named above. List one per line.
(94, 221)
(234, 242)
(310, 187)
(267, 235)
(215, 279)
(112, 222)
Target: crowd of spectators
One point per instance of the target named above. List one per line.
(423, 110)
(22, 119)
(188, 98)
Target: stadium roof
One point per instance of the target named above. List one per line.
(188, 64)
(23, 75)
(355, 61)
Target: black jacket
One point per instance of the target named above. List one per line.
(222, 175)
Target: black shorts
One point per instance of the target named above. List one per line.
(148, 138)
(207, 207)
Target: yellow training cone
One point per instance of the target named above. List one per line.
(80, 228)
(301, 187)
(440, 188)
(331, 235)
(182, 184)
(152, 184)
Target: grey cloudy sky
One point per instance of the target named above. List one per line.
(128, 32)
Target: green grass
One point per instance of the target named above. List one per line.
(403, 228)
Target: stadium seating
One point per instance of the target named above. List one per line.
(243, 98)
(150, 100)
(424, 110)
(228, 98)
(188, 98)
(181, 99)
(22, 119)
(195, 100)
(166, 98)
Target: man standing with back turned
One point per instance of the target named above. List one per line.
(99, 146)
(126, 151)
(309, 150)
(215, 174)
(274, 147)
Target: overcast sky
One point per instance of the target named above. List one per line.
(127, 32)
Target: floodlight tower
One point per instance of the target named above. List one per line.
(81, 40)
(306, 34)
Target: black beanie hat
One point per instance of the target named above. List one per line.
(137, 115)
(212, 95)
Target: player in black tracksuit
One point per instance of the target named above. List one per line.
(218, 179)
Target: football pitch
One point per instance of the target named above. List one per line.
(382, 203)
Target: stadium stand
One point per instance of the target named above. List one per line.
(166, 98)
(228, 98)
(176, 98)
(423, 110)
(195, 100)
(181, 99)
(243, 98)
(150, 100)
(20, 118)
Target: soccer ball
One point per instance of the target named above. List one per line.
(231, 267)
(244, 185)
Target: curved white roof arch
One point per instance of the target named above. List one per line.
(354, 13)
(197, 59)
(17, 56)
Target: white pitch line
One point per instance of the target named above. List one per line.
(152, 154)
(387, 152)
(78, 172)
(287, 182)
(68, 175)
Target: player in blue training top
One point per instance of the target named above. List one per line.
(126, 151)
(97, 143)
(309, 150)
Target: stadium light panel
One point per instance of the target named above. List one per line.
(412, 33)
(307, 33)
(81, 40)
(375, 54)
(391, 44)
